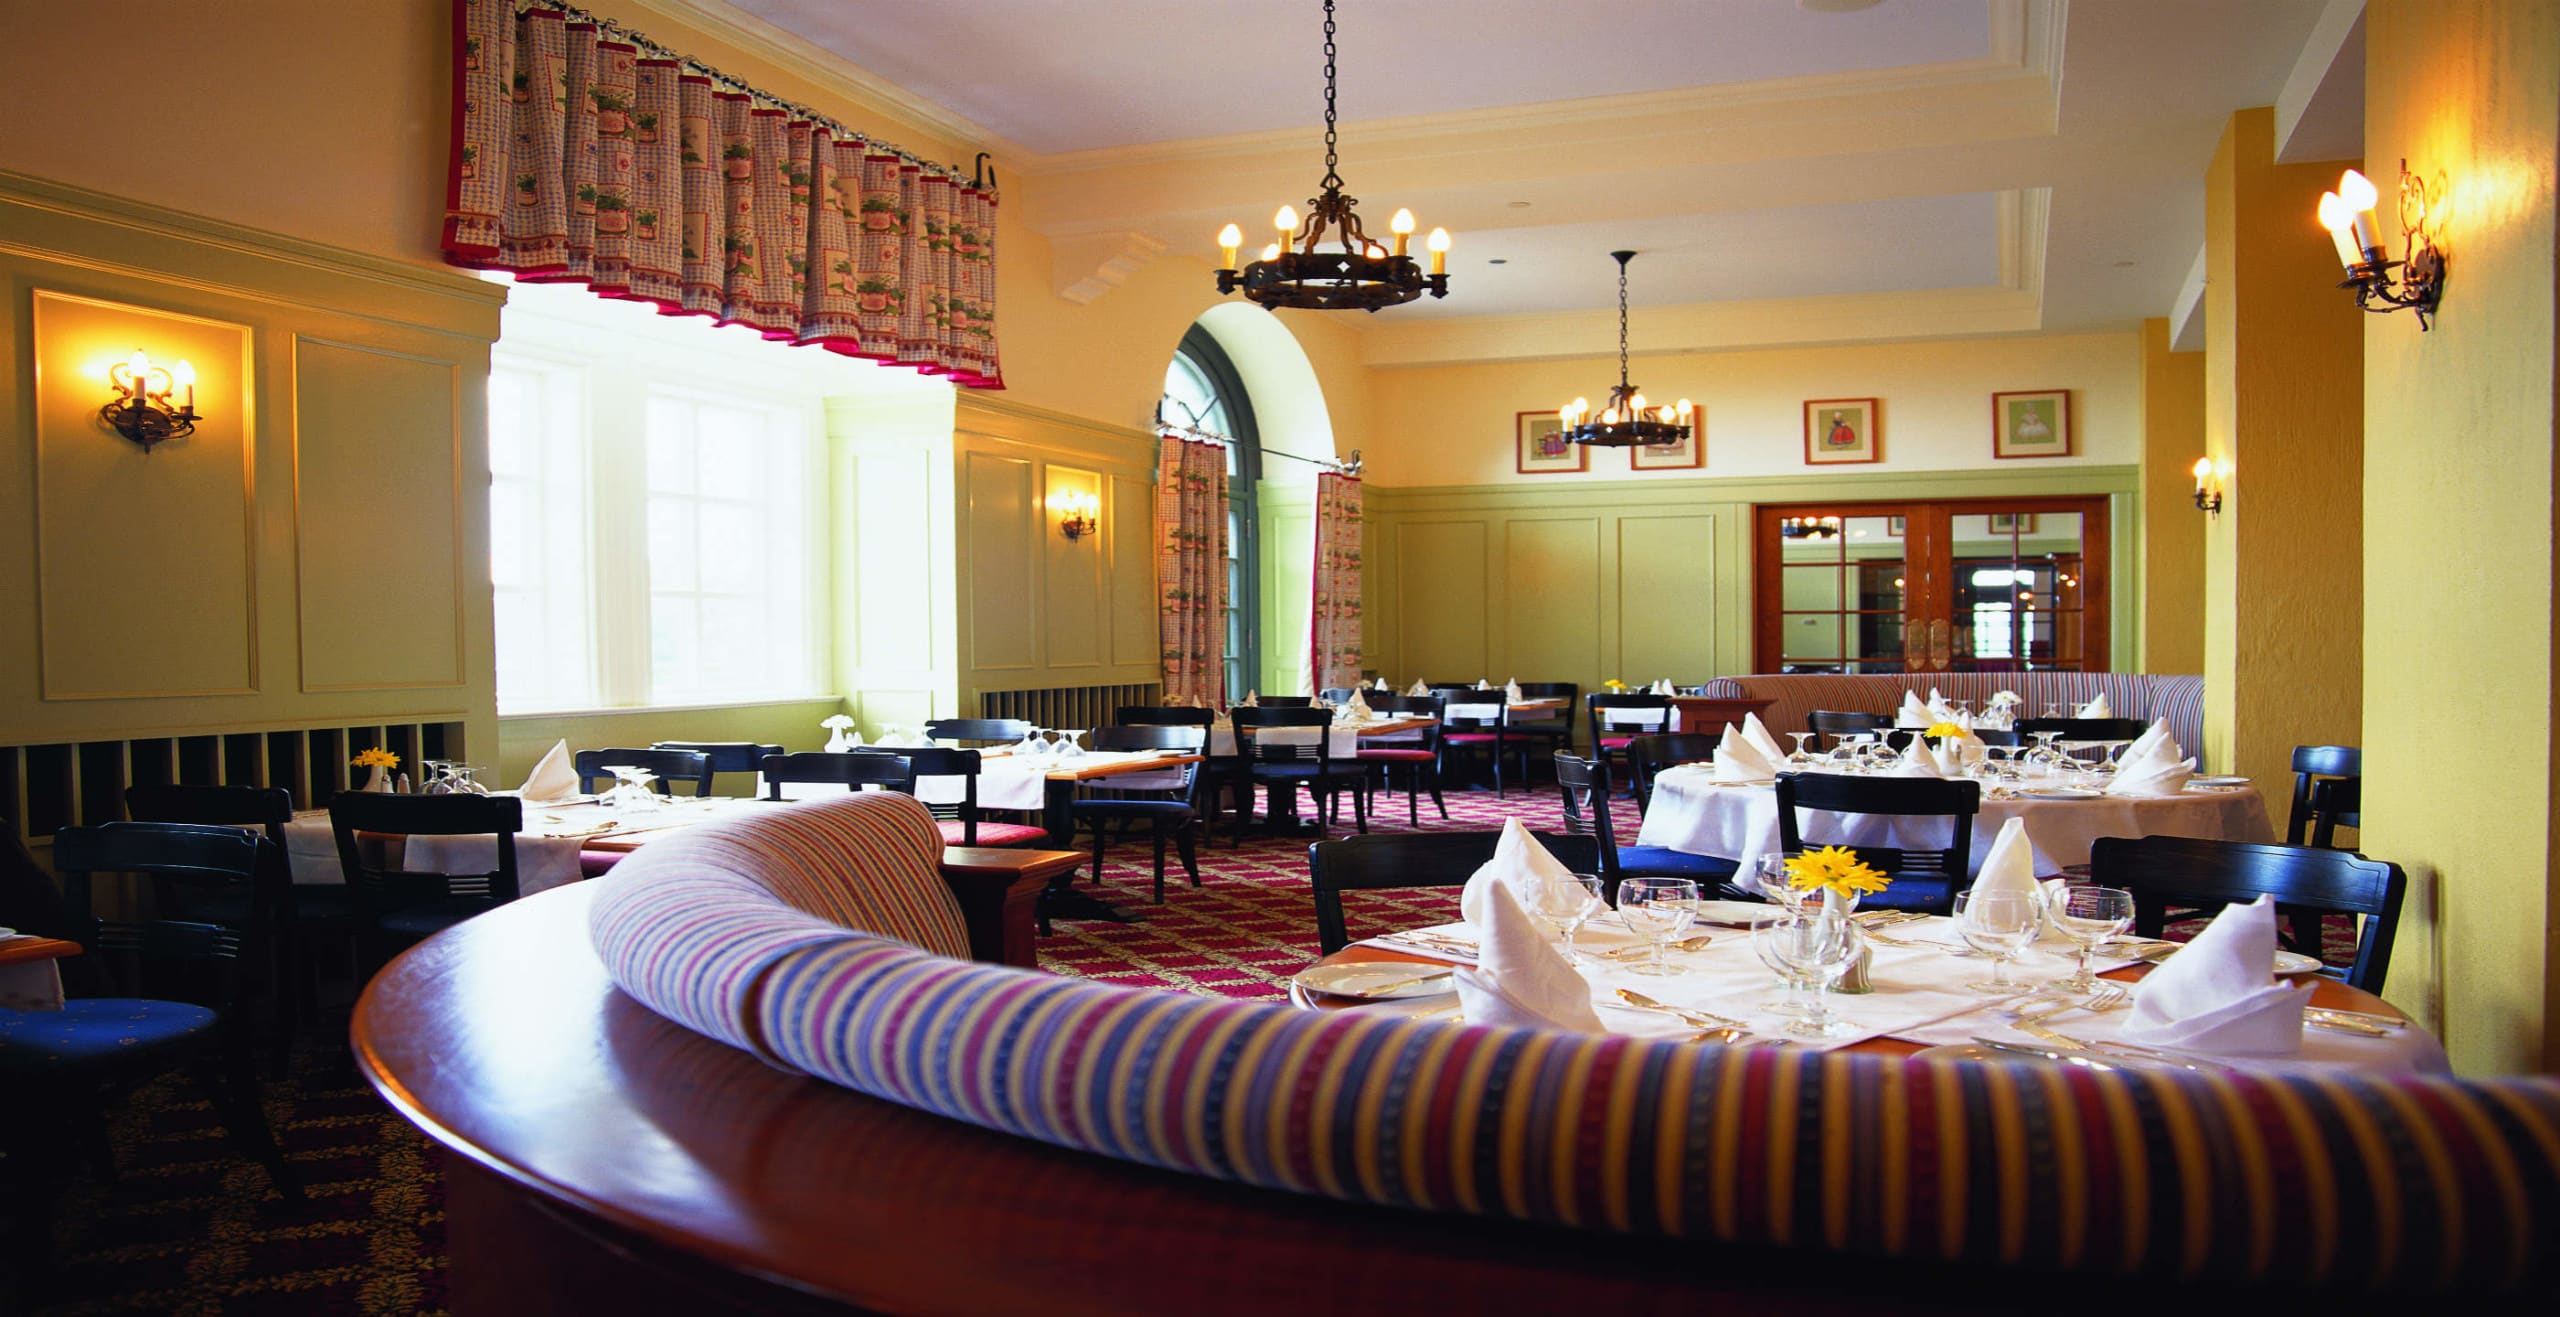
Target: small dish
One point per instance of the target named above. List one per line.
(1377, 980)
(2292, 963)
(2063, 793)
(1731, 914)
(2216, 780)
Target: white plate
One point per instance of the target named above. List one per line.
(1377, 980)
(2063, 793)
(2216, 780)
(1732, 914)
(2290, 963)
(1745, 782)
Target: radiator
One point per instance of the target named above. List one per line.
(47, 787)
(1068, 707)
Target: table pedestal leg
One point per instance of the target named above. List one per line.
(1061, 900)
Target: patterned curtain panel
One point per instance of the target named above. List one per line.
(1333, 644)
(1191, 569)
(583, 152)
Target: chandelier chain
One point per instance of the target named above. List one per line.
(1332, 174)
(1622, 325)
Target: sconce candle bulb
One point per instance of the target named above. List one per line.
(141, 410)
(1079, 514)
(2208, 488)
(2348, 216)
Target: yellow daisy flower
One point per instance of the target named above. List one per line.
(1837, 868)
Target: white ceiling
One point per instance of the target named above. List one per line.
(1057, 77)
(1917, 168)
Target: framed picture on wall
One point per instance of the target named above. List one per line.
(2013, 523)
(1838, 431)
(1543, 450)
(2031, 424)
(1893, 528)
(1689, 453)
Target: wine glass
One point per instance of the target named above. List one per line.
(633, 787)
(1861, 747)
(1658, 910)
(1800, 757)
(1810, 945)
(1570, 906)
(2088, 916)
(1999, 925)
(438, 772)
(1770, 879)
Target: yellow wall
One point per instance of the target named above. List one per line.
(2283, 580)
(2459, 434)
(2172, 530)
(1455, 425)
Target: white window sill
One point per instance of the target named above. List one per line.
(622, 710)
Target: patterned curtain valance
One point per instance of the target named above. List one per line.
(582, 152)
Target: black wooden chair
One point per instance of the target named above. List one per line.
(670, 766)
(1619, 719)
(1302, 757)
(2312, 765)
(1546, 731)
(1284, 701)
(2192, 873)
(962, 822)
(2086, 729)
(305, 917)
(1474, 722)
(1414, 859)
(1921, 879)
(725, 756)
(848, 769)
(2336, 803)
(1217, 772)
(1833, 724)
(395, 908)
(1584, 784)
(1167, 802)
(984, 731)
(1418, 752)
(1648, 755)
(179, 1004)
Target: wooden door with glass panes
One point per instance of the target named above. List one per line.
(1972, 585)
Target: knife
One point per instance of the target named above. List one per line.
(1397, 985)
(2046, 1053)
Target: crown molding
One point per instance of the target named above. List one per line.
(801, 57)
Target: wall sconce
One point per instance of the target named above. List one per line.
(2208, 488)
(2348, 215)
(1079, 514)
(142, 410)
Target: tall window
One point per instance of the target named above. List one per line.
(1202, 389)
(654, 529)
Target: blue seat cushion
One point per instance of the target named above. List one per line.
(90, 1032)
(1935, 895)
(1664, 862)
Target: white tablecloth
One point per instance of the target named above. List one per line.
(543, 861)
(31, 985)
(1690, 813)
(1342, 742)
(1920, 995)
(1011, 783)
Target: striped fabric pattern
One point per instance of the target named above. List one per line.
(690, 924)
(2178, 699)
(2343, 1181)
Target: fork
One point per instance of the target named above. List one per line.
(2108, 997)
(1702, 1019)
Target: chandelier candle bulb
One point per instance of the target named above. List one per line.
(1401, 225)
(1287, 222)
(1439, 245)
(1229, 239)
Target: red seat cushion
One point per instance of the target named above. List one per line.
(955, 833)
(1469, 738)
(1616, 742)
(1398, 756)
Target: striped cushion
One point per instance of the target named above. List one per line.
(690, 924)
(2351, 1181)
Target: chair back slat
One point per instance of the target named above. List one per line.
(725, 756)
(2312, 765)
(1179, 782)
(2086, 729)
(1303, 735)
(984, 731)
(179, 959)
(670, 766)
(1956, 801)
(1378, 861)
(1616, 713)
(847, 769)
(1584, 786)
(1836, 723)
(379, 891)
(2192, 873)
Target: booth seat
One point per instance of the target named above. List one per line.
(2179, 699)
(810, 938)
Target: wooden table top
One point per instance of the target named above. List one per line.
(23, 950)
(503, 1039)
(2326, 992)
(1004, 860)
(1088, 772)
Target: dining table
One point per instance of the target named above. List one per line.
(1343, 741)
(29, 977)
(1920, 998)
(1692, 811)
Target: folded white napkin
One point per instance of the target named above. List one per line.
(1664, 687)
(1419, 687)
(1483, 685)
(1737, 760)
(1355, 712)
(1511, 693)
(1913, 713)
(1518, 980)
(553, 776)
(2096, 708)
(1920, 760)
(1939, 709)
(1519, 865)
(1382, 685)
(1757, 733)
(2010, 864)
(1253, 699)
(2152, 766)
(2219, 994)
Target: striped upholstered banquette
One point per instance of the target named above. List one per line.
(2180, 700)
(2342, 1182)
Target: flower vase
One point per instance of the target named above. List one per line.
(378, 780)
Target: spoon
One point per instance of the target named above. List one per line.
(1702, 1019)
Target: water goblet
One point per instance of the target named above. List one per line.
(1800, 758)
(2088, 916)
(1658, 910)
(1813, 945)
(632, 788)
(1999, 925)
(1571, 906)
(1770, 880)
